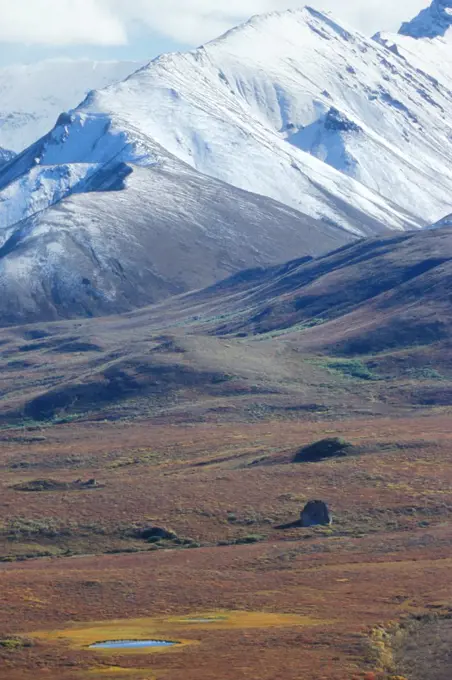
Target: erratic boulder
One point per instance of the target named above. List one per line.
(316, 513)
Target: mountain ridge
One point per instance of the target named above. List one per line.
(344, 134)
(366, 326)
(425, 42)
(266, 92)
(95, 254)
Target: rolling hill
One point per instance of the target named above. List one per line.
(364, 329)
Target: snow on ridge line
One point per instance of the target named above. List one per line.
(166, 78)
(258, 20)
(62, 146)
(223, 115)
(83, 153)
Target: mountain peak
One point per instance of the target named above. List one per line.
(432, 22)
(283, 24)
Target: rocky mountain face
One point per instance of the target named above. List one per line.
(6, 156)
(432, 22)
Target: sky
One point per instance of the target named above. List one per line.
(141, 29)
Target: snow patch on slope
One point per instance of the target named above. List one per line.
(328, 138)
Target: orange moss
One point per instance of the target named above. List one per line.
(82, 636)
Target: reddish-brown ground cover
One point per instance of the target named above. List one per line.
(386, 556)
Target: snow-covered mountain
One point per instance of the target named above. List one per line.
(343, 98)
(229, 110)
(133, 237)
(349, 108)
(444, 222)
(138, 192)
(426, 41)
(33, 96)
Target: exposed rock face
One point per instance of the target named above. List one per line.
(316, 513)
(6, 156)
(432, 22)
(338, 122)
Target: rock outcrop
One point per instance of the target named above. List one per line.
(316, 513)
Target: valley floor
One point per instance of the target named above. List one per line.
(71, 555)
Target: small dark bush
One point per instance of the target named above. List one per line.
(20, 528)
(154, 534)
(12, 644)
(251, 538)
(39, 485)
(333, 447)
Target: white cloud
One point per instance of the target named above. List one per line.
(61, 22)
(195, 21)
(110, 22)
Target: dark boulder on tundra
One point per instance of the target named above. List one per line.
(316, 513)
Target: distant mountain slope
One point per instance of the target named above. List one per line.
(290, 105)
(132, 239)
(32, 96)
(375, 295)
(138, 192)
(364, 329)
(426, 41)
